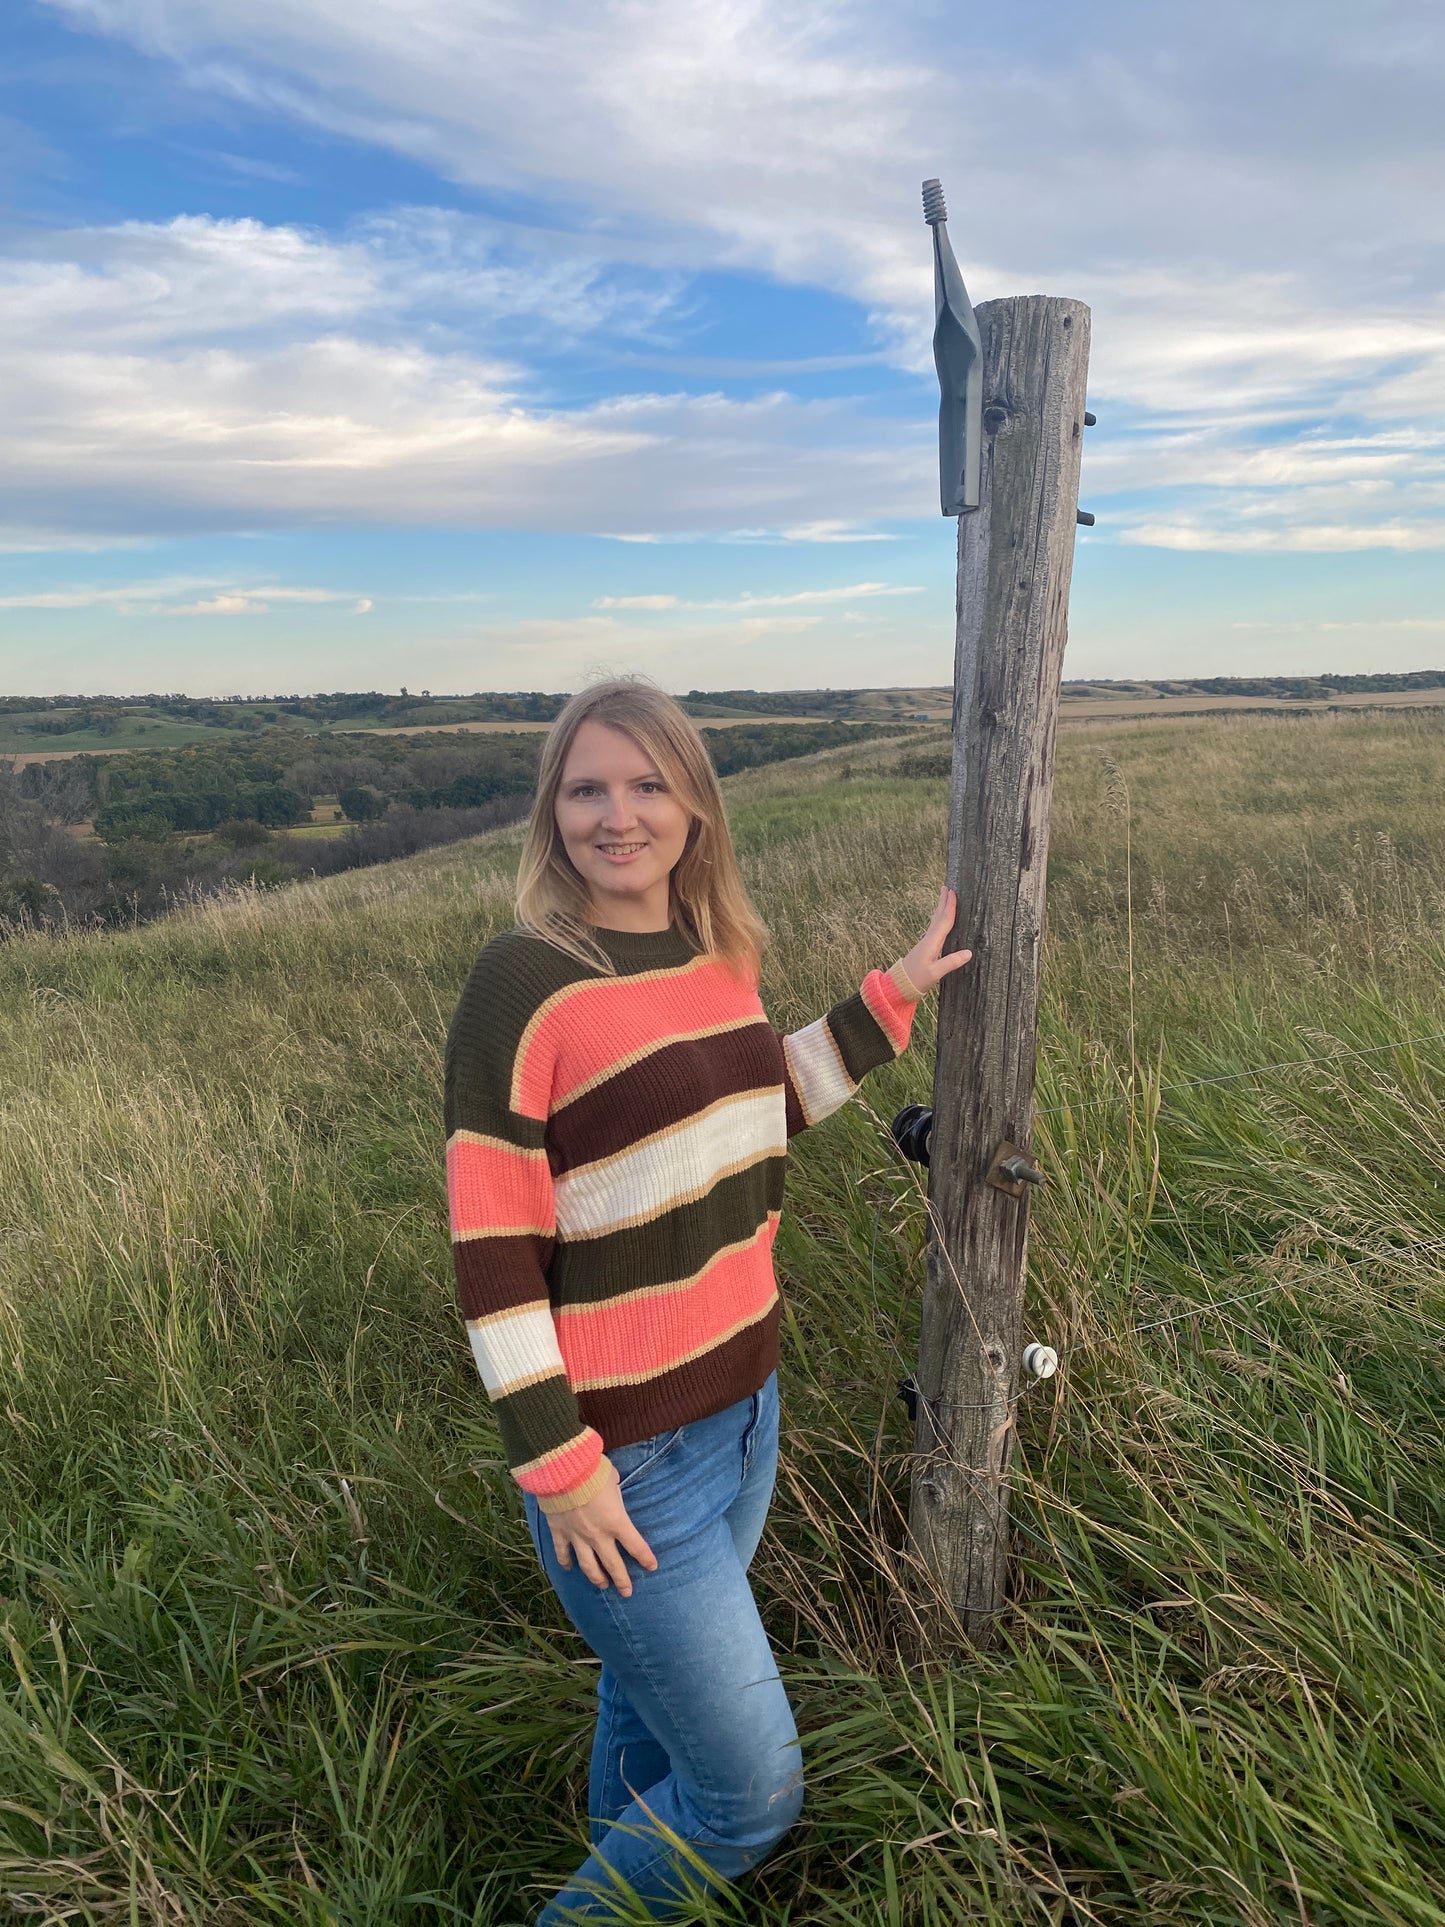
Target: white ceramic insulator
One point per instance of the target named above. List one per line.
(1040, 1361)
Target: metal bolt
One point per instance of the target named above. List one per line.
(1018, 1170)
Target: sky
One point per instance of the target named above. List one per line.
(462, 345)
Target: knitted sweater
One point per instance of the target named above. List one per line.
(615, 1150)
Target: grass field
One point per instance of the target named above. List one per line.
(275, 1645)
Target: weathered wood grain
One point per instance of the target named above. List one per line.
(1015, 560)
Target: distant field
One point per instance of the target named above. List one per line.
(705, 722)
(928, 704)
(1108, 708)
(276, 1649)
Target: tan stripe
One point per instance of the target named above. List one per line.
(535, 1465)
(521, 1384)
(505, 1231)
(655, 1044)
(673, 1285)
(496, 1317)
(559, 997)
(686, 1358)
(496, 1144)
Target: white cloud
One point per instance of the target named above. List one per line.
(222, 605)
(165, 596)
(849, 593)
(635, 602)
(1233, 539)
(117, 418)
(1247, 197)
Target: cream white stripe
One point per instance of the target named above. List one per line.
(513, 1345)
(822, 1082)
(672, 1168)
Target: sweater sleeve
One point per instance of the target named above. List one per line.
(828, 1059)
(503, 1227)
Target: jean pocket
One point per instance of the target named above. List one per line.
(631, 1461)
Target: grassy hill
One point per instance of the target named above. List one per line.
(276, 1648)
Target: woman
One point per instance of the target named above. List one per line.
(617, 1113)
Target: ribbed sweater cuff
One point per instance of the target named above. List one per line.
(554, 1502)
(904, 984)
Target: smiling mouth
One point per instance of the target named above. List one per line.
(621, 849)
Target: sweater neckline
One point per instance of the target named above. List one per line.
(645, 949)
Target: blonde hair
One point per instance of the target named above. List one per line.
(708, 900)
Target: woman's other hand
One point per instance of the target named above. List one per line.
(925, 965)
(596, 1535)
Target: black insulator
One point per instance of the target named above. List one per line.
(912, 1129)
(1084, 517)
(908, 1392)
(1089, 420)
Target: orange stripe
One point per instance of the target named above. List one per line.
(492, 1186)
(582, 1030)
(654, 1332)
(888, 1005)
(559, 1471)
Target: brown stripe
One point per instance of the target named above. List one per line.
(624, 1413)
(664, 1088)
(675, 1245)
(626, 1062)
(500, 1274)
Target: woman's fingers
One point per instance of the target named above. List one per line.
(588, 1565)
(632, 1541)
(616, 1566)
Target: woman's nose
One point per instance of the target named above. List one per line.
(619, 814)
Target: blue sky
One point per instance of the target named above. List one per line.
(459, 345)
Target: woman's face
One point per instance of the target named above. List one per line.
(621, 826)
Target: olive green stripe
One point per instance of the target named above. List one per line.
(861, 1039)
(537, 1419)
(674, 1246)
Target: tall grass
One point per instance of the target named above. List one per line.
(276, 1648)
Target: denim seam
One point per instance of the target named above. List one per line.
(647, 1464)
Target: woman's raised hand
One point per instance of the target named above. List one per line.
(925, 965)
(596, 1535)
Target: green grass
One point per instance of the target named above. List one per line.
(277, 1645)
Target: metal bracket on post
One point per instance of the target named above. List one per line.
(1012, 1170)
(958, 356)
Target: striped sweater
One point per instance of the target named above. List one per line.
(615, 1148)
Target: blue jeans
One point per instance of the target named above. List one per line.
(694, 1732)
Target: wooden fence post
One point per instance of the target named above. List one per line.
(1015, 558)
